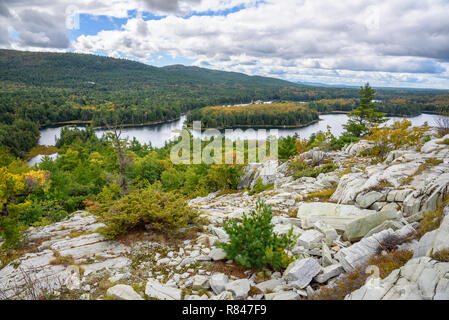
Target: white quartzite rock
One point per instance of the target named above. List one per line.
(217, 254)
(429, 197)
(360, 252)
(336, 215)
(218, 282)
(239, 288)
(310, 239)
(433, 241)
(200, 282)
(358, 228)
(329, 232)
(155, 289)
(282, 295)
(366, 199)
(300, 272)
(123, 292)
(269, 285)
(329, 272)
(418, 279)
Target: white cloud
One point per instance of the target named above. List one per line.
(385, 42)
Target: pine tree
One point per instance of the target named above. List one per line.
(365, 116)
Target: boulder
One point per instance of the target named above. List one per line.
(433, 241)
(247, 177)
(326, 256)
(220, 233)
(354, 149)
(366, 199)
(301, 272)
(433, 145)
(123, 292)
(283, 295)
(155, 289)
(329, 232)
(337, 216)
(218, 282)
(266, 172)
(358, 228)
(329, 272)
(217, 254)
(398, 195)
(429, 196)
(353, 184)
(315, 156)
(269, 285)
(348, 187)
(389, 224)
(360, 252)
(239, 288)
(310, 239)
(200, 282)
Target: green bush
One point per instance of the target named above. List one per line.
(163, 212)
(11, 232)
(260, 187)
(301, 169)
(43, 211)
(253, 244)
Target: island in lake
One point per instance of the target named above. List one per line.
(280, 114)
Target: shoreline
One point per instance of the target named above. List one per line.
(263, 126)
(87, 122)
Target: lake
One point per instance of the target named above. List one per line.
(158, 134)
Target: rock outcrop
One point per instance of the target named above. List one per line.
(420, 279)
(371, 204)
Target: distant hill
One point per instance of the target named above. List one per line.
(70, 70)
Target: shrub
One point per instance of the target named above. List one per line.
(400, 134)
(383, 184)
(11, 231)
(390, 261)
(327, 141)
(301, 169)
(442, 255)
(260, 187)
(390, 243)
(322, 195)
(163, 212)
(224, 176)
(351, 281)
(287, 147)
(442, 122)
(253, 244)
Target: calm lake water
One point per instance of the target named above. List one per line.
(158, 134)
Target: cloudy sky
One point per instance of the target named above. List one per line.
(402, 43)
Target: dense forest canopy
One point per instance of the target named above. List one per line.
(270, 115)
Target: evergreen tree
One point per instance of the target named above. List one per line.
(365, 116)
